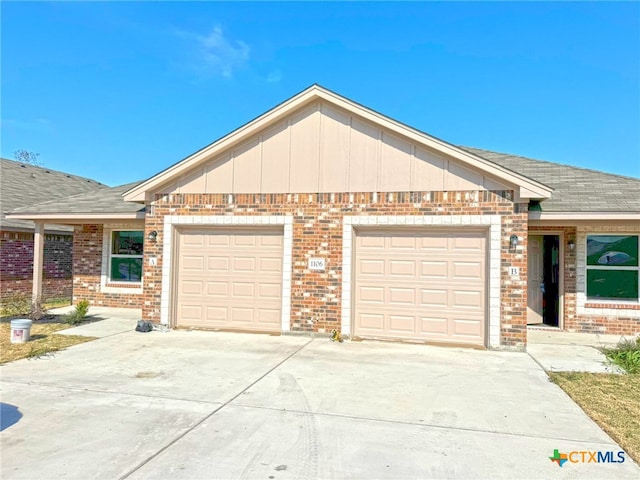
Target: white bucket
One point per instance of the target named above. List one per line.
(20, 330)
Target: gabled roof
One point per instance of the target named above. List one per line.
(575, 190)
(104, 204)
(24, 185)
(528, 188)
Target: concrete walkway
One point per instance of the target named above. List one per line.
(192, 405)
(103, 321)
(558, 351)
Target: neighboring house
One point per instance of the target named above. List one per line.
(322, 214)
(23, 185)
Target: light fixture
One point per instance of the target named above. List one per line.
(153, 235)
(572, 244)
(513, 241)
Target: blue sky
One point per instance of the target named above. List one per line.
(118, 91)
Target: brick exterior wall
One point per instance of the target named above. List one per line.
(615, 324)
(16, 265)
(87, 271)
(317, 231)
(513, 312)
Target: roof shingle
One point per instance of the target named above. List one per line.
(105, 201)
(24, 185)
(575, 189)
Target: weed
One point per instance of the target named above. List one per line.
(38, 350)
(336, 336)
(626, 355)
(77, 315)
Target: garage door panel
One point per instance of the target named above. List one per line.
(402, 324)
(403, 242)
(434, 269)
(191, 312)
(469, 270)
(470, 244)
(402, 296)
(465, 328)
(215, 315)
(193, 263)
(434, 298)
(433, 243)
(272, 240)
(372, 294)
(270, 290)
(243, 290)
(196, 240)
(222, 240)
(244, 264)
(242, 315)
(238, 282)
(402, 268)
(268, 318)
(373, 242)
(371, 322)
(421, 285)
(271, 264)
(433, 325)
(467, 299)
(371, 267)
(191, 287)
(217, 289)
(218, 264)
(244, 240)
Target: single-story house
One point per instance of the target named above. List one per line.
(24, 185)
(324, 215)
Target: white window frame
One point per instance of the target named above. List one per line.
(601, 307)
(634, 268)
(107, 285)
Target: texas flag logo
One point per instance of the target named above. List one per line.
(559, 458)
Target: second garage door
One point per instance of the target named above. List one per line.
(420, 285)
(230, 279)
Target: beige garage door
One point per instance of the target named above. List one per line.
(230, 279)
(420, 285)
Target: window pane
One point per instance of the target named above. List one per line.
(609, 283)
(126, 269)
(615, 250)
(127, 243)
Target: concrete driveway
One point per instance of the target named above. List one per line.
(198, 405)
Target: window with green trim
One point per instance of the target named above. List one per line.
(125, 259)
(613, 271)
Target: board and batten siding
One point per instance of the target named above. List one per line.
(324, 149)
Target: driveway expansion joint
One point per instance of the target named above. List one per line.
(208, 416)
(423, 424)
(109, 392)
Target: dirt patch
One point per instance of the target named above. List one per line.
(148, 374)
(43, 341)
